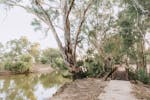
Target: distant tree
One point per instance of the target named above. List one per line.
(134, 22)
(16, 47)
(35, 51)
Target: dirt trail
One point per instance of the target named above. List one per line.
(117, 90)
(84, 89)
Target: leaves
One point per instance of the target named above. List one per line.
(37, 24)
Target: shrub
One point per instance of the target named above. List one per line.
(58, 63)
(8, 65)
(44, 60)
(143, 76)
(18, 67)
(80, 63)
(140, 75)
(26, 58)
(94, 67)
(23, 64)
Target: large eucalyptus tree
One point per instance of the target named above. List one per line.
(61, 17)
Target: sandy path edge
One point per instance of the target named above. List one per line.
(117, 90)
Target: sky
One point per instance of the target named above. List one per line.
(16, 23)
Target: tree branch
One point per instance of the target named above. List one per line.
(12, 3)
(46, 19)
(80, 26)
(50, 24)
(69, 10)
(140, 6)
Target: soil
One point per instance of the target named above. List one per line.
(141, 91)
(117, 90)
(83, 89)
(42, 68)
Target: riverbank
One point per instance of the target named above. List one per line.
(36, 68)
(83, 89)
(34, 86)
(41, 68)
(97, 89)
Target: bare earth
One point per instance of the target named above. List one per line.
(141, 91)
(96, 89)
(42, 68)
(84, 89)
(117, 90)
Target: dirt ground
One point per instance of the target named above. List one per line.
(84, 89)
(41, 68)
(141, 91)
(92, 89)
(118, 90)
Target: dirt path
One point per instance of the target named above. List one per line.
(84, 89)
(117, 90)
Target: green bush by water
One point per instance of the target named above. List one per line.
(22, 65)
(18, 67)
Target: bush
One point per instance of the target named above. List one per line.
(23, 64)
(8, 65)
(26, 58)
(58, 63)
(18, 67)
(143, 76)
(44, 60)
(94, 67)
(140, 75)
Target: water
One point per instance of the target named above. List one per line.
(30, 87)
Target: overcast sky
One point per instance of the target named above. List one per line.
(16, 23)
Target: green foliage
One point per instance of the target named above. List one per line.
(143, 76)
(44, 60)
(59, 63)
(53, 57)
(80, 63)
(93, 65)
(16, 47)
(113, 46)
(8, 65)
(26, 58)
(140, 75)
(37, 24)
(117, 36)
(18, 67)
(94, 69)
(24, 64)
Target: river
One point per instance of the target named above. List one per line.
(30, 87)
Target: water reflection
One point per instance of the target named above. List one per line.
(30, 87)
